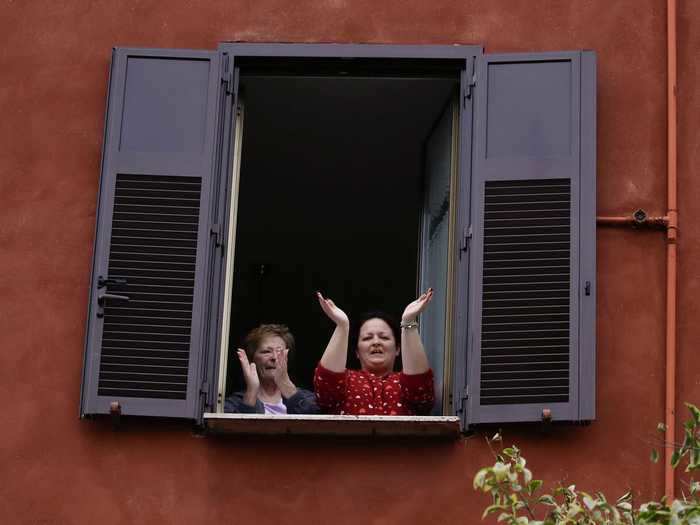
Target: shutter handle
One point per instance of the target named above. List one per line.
(102, 297)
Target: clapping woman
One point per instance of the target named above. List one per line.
(375, 389)
(269, 390)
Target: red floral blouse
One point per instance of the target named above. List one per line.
(357, 392)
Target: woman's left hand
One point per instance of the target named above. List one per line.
(282, 380)
(416, 307)
(281, 372)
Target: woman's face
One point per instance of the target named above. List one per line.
(376, 347)
(265, 357)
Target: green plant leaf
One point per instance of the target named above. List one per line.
(480, 478)
(492, 509)
(654, 456)
(627, 496)
(547, 500)
(500, 470)
(534, 485)
(675, 458)
(695, 412)
(625, 505)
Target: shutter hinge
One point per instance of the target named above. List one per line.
(204, 392)
(466, 237)
(227, 75)
(468, 91)
(463, 399)
(215, 231)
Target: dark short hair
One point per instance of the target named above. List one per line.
(376, 314)
(254, 338)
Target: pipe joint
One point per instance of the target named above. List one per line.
(638, 219)
(673, 219)
(672, 227)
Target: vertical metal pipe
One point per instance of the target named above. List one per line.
(671, 249)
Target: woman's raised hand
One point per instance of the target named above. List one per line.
(250, 374)
(416, 307)
(413, 356)
(281, 375)
(336, 353)
(334, 313)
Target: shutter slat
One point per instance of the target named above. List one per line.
(171, 313)
(525, 359)
(145, 357)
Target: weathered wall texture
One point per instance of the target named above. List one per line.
(57, 469)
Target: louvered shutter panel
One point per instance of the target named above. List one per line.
(532, 260)
(145, 318)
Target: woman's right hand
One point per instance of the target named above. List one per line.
(252, 380)
(336, 353)
(334, 313)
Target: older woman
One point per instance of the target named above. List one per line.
(269, 390)
(375, 389)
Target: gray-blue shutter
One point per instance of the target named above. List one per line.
(144, 341)
(532, 266)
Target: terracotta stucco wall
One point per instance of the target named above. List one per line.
(57, 469)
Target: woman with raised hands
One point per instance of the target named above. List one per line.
(269, 390)
(375, 389)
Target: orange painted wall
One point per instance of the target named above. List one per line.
(57, 469)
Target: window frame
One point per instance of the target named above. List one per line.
(231, 55)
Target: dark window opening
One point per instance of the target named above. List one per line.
(332, 184)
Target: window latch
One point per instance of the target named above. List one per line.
(215, 231)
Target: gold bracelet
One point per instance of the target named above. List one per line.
(409, 324)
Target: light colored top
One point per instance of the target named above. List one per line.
(275, 408)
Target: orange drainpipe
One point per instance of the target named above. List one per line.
(670, 223)
(671, 254)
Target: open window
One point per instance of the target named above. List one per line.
(343, 180)
(236, 183)
(334, 173)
